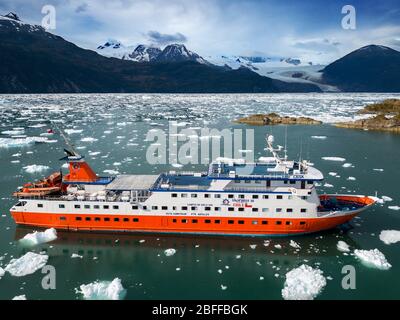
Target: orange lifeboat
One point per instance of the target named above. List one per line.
(44, 187)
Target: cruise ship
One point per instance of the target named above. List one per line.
(273, 196)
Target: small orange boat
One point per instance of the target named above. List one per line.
(51, 184)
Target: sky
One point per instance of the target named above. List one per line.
(310, 30)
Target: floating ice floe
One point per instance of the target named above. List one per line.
(89, 139)
(27, 264)
(303, 283)
(177, 165)
(351, 178)
(75, 256)
(169, 252)
(373, 258)
(386, 198)
(21, 297)
(319, 137)
(2, 272)
(22, 142)
(394, 208)
(339, 159)
(390, 236)
(73, 131)
(294, 244)
(343, 246)
(378, 169)
(39, 237)
(347, 165)
(102, 290)
(328, 185)
(111, 172)
(333, 174)
(223, 287)
(35, 168)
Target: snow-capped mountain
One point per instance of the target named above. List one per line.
(178, 53)
(148, 53)
(144, 53)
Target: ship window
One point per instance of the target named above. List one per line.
(278, 209)
(184, 221)
(247, 181)
(106, 219)
(217, 196)
(174, 208)
(174, 195)
(135, 207)
(207, 208)
(183, 195)
(206, 195)
(116, 219)
(230, 196)
(144, 207)
(217, 209)
(278, 222)
(303, 210)
(254, 209)
(302, 223)
(164, 208)
(241, 196)
(77, 206)
(154, 207)
(310, 181)
(193, 208)
(184, 208)
(61, 206)
(258, 181)
(288, 223)
(96, 206)
(237, 181)
(106, 207)
(88, 219)
(126, 219)
(40, 205)
(135, 220)
(174, 220)
(265, 210)
(289, 210)
(279, 197)
(264, 222)
(193, 195)
(241, 221)
(304, 197)
(285, 181)
(292, 181)
(207, 221)
(115, 207)
(194, 220)
(255, 196)
(217, 221)
(231, 222)
(87, 206)
(254, 222)
(240, 209)
(231, 209)
(97, 219)
(63, 218)
(290, 197)
(78, 218)
(265, 196)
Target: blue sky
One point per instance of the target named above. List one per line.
(310, 30)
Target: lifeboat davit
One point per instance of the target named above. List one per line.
(44, 187)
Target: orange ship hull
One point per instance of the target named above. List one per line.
(181, 224)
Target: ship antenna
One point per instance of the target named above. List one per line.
(285, 142)
(66, 140)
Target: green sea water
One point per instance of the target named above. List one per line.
(202, 266)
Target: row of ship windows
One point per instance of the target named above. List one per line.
(231, 196)
(284, 181)
(216, 221)
(184, 208)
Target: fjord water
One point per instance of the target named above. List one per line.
(119, 123)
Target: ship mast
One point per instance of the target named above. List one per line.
(71, 147)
